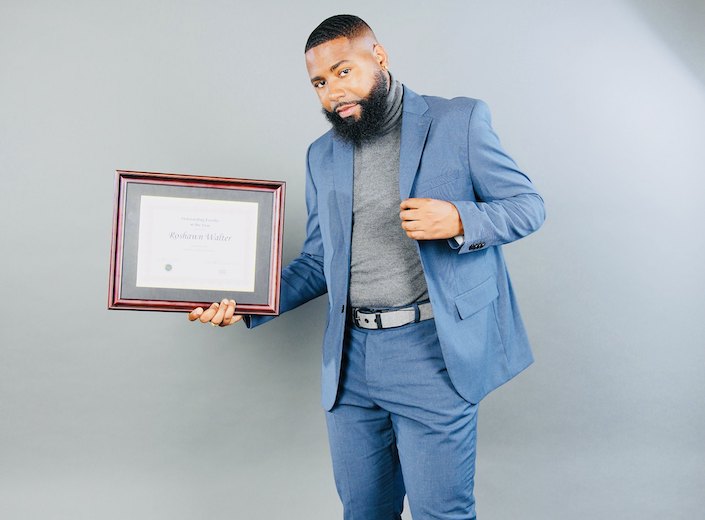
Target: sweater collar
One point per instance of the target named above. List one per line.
(392, 115)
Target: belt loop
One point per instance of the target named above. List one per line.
(378, 320)
(417, 313)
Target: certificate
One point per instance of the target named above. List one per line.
(184, 241)
(197, 244)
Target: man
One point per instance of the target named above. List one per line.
(409, 199)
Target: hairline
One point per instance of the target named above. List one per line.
(365, 34)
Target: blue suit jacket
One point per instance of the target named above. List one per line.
(448, 151)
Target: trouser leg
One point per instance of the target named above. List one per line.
(363, 445)
(435, 428)
(438, 467)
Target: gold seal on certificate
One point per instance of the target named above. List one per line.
(184, 241)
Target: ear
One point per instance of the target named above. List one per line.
(380, 55)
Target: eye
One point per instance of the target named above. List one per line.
(319, 84)
(344, 72)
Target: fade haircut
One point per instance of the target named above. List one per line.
(345, 25)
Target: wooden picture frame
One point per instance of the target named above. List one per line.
(184, 241)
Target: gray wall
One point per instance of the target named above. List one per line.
(114, 415)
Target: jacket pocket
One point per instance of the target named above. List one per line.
(472, 301)
(436, 182)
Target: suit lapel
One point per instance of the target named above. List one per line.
(343, 181)
(414, 130)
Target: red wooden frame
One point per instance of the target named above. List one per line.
(123, 178)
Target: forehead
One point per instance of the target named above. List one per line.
(321, 58)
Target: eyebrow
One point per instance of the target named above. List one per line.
(332, 68)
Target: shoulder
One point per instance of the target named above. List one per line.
(323, 141)
(465, 114)
(440, 107)
(321, 147)
(458, 106)
(321, 155)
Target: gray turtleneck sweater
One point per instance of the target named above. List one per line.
(385, 268)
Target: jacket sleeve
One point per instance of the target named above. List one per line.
(302, 279)
(507, 207)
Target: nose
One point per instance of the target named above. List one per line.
(335, 94)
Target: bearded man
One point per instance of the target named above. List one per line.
(409, 201)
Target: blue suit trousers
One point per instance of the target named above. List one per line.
(399, 426)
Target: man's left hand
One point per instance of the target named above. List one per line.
(428, 219)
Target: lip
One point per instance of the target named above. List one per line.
(346, 110)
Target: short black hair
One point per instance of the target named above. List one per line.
(346, 25)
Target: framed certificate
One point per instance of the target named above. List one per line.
(185, 241)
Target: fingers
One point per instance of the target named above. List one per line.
(412, 219)
(219, 313)
(228, 315)
(234, 319)
(417, 235)
(218, 318)
(413, 203)
(209, 313)
(411, 225)
(410, 214)
(195, 313)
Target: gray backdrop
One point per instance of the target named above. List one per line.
(114, 414)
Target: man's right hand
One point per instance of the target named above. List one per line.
(218, 314)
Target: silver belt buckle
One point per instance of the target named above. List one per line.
(358, 317)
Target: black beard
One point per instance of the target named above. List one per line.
(372, 111)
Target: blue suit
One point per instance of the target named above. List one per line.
(448, 151)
